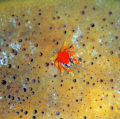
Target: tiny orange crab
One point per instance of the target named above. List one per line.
(64, 58)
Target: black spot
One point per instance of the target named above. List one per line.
(80, 59)
(111, 52)
(76, 100)
(47, 64)
(20, 40)
(36, 45)
(104, 19)
(82, 12)
(9, 96)
(8, 87)
(87, 83)
(116, 37)
(24, 90)
(65, 32)
(57, 113)
(23, 49)
(83, 45)
(92, 25)
(27, 79)
(9, 65)
(18, 99)
(101, 80)
(17, 113)
(19, 23)
(35, 111)
(84, 117)
(93, 84)
(21, 110)
(91, 63)
(42, 112)
(26, 112)
(110, 12)
(33, 80)
(3, 82)
(40, 54)
(32, 93)
(111, 80)
(111, 107)
(33, 117)
(39, 14)
(30, 89)
(13, 77)
(74, 80)
(55, 75)
(31, 59)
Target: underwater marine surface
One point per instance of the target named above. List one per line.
(32, 32)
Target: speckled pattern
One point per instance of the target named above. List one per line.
(31, 32)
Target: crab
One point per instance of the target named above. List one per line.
(65, 58)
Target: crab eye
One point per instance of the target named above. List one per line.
(71, 46)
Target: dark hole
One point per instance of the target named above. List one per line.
(3, 82)
(87, 83)
(83, 45)
(42, 112)
(32, 93)
(13, 77)
(101, 80)
(57, 113)
(47, 64)
(76, 100)
(17, 113)
(80, 59)
(9, 65)
(18, 99)
(21, 110)
(65, 32)
(26, 112)
(24, 90)
(110, 12)
(40, 53)
(111, 107)
(27, 79)
(111, 80)
(35, 111)
(30, 88)
(92, 25)
(74, 80)
(83, 12)
(9, 96)
(33, 117)
(84, 117)
(8, 87)
(33, 80)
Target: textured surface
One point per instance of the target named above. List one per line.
(32, 32)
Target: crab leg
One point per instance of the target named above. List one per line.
(69, 70)
(75, 61)
(54, 57)
(72, 53)
(61, 68)
(70, 49)
(56, 64)
(64, 46)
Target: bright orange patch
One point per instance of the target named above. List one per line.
(63, 57)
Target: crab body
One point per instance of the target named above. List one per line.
(64, 59)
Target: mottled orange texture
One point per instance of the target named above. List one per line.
(31, 32)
